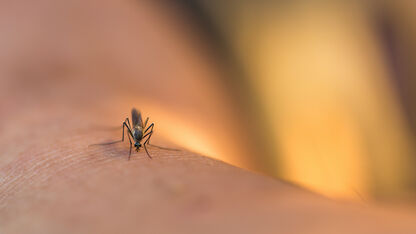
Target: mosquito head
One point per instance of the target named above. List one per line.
(137, 145)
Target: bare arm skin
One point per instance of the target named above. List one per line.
(52, 182)
(54, 102)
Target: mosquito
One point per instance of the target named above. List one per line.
(137, 132)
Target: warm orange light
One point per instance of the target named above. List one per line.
(323, 83)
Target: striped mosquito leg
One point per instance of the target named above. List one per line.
(148, 135)
(129, 134)
(147, 129)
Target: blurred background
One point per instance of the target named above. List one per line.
(318, 93)
(331, 86)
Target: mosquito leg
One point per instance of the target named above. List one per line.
(145, 122)
(147, 152)
(131, 144)
(151, 126)
(122, 134)
(126, 124)
(151, 130)
(128, 121)
(129, 134)
(129, 131)
(149, 134)
(147, 142)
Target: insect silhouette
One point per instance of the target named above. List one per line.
(137, 132)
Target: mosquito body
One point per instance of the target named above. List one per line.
(138, 131)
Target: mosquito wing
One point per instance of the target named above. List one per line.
(136, 118)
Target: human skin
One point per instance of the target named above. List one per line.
(54, 104)
(52, 182)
